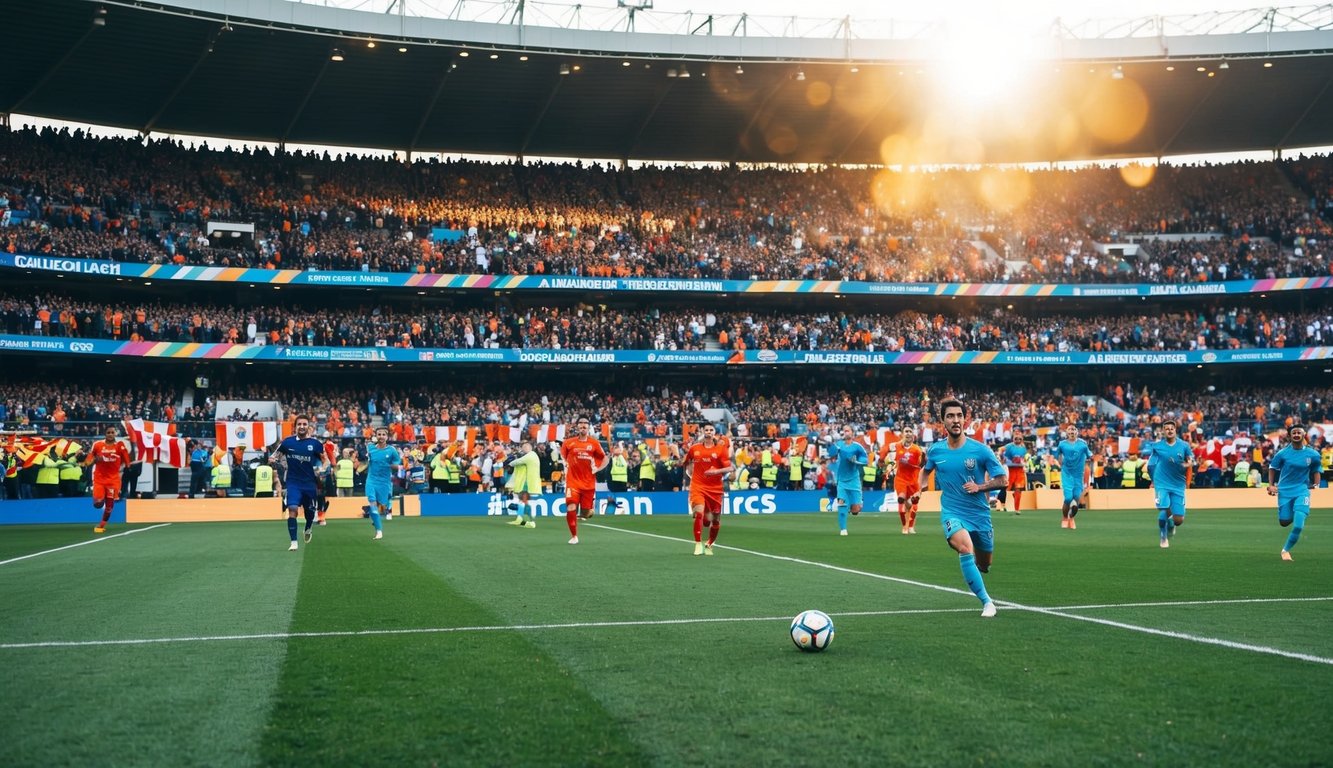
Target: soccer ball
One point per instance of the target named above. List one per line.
(812, 631)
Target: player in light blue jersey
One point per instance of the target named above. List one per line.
(1073, 455)
(1169, 467)
(848, 457)
(305, 460)
(1293, 471)
(965, 470)
(381, 461)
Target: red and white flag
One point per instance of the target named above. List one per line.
(548, 433)
(447, 434)
(255, 435)
(155, 442)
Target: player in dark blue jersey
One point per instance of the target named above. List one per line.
(305, 461)
(965, 470)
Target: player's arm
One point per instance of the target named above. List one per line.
(997, 478)
(1273, 467)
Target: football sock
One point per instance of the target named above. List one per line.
(106, 513)
(972, 575)
(712, 531)
(1002, 495)
(1296, 529)
(902, 512)
(525, 513)
(698, 527)
(291, 527)
(309, 518)
(1170, 524)
(911, 518)
(375, 518)
(1018, 499)
(572, 519)
(842, 517)
(1161, 523)
(1073, 510)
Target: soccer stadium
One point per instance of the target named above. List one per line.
(914, 391)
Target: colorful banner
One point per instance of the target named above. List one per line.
(192, 351)
(417, 281)
(660, 503)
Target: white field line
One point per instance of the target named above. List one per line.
(446, 630)
(1060, 612)
(82, 543)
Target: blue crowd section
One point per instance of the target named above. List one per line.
(388, 355)
(734, 503)
(482, 283)
(59, 510)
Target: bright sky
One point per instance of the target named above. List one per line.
(1031, 10)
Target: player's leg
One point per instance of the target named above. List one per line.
(999, 499)
(713, 515)
(1177, 511)
(378, 496)
(914, 499)
(1017, 481)
(1162, 500)
(697, 510)
(844, 504)
(1295, 510)
(960, 539)
(293, 503)
(525, 510)
(900, 491)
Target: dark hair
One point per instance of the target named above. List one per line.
(300, 416)
(952, 402)
(1172, 422)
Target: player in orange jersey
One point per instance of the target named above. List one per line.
(707, 462)
(907, 483)
(108, 457)
(584, 458)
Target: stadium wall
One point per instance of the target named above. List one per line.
(72, 510)
(553, 505)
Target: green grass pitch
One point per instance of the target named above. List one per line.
(469, 642)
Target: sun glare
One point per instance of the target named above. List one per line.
(978, 67)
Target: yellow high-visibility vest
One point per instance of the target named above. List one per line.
(344, 474)
(263, 479)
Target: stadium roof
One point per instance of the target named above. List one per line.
(263, 70)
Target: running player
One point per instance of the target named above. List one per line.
(109, 457)
(305, 461)
(707, 462)
(965, 470)
(584, 458)
(1293, 471)
(382, 460)
(525, 479)
(907, 483)
(848, 456)
(1073, 455)
(1170, 462)
(1014, 456)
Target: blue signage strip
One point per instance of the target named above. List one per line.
(60, 510)
(62, 265)
(734, 503)
(191, 351)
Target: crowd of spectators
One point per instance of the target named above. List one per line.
(84, 410)
(582, 326)
(73, 195)
(664, 410)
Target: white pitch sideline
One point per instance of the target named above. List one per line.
(1059, 612)
(81, 544)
